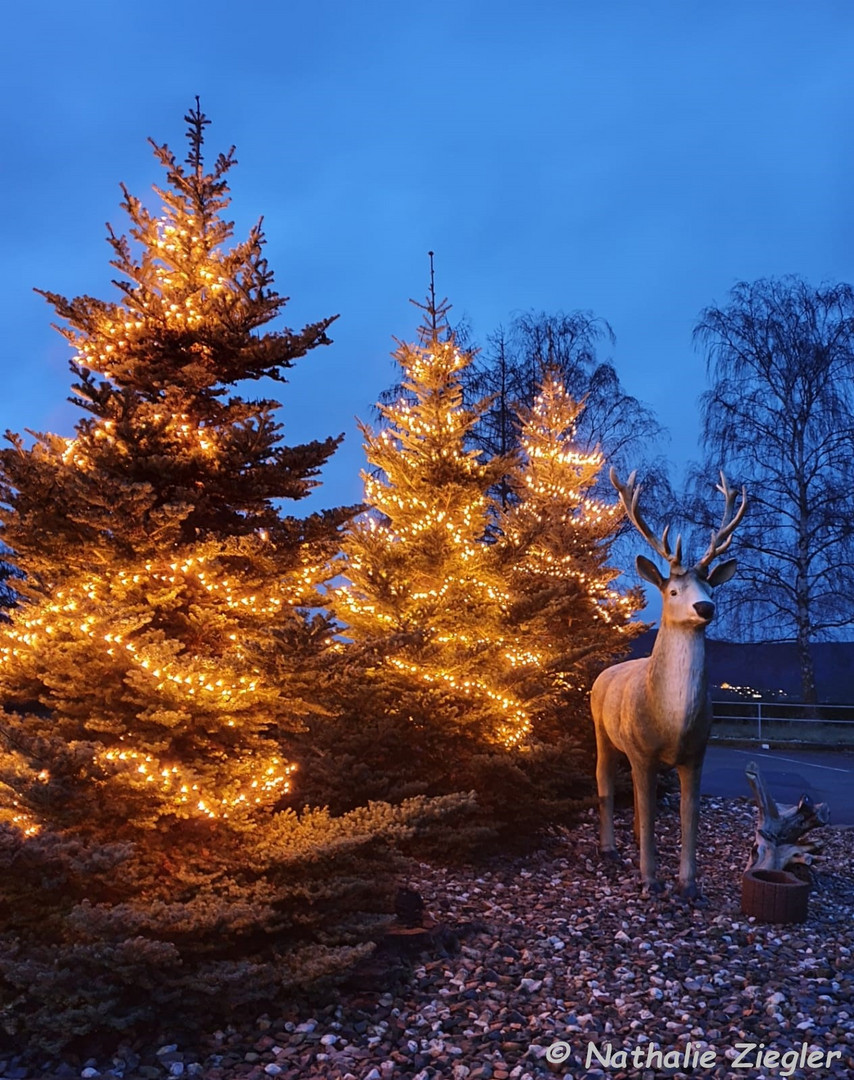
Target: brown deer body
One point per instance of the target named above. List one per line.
(656, 710)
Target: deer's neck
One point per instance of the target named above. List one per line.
(676, 675)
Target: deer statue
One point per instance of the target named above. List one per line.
(656, 710)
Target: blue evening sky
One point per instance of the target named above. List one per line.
(632, 159)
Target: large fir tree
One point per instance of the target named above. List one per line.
(163, 583)
(163, 645)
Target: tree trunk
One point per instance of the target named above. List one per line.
(504, 422)
(805, 662)
(803, 613)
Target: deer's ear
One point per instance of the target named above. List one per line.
(649, 571)
(722, 572)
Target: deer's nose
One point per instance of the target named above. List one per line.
(705, 610)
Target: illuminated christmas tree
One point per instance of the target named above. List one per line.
(554, 546)
(163, 645)
(163, 583)
(424, 587)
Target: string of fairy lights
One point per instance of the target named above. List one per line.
(65, 615)
(185, 263)
(270, 780)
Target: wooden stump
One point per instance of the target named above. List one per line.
(780, 831)
(774, 896)
(414, 930)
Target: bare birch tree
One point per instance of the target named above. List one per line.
(779, 417)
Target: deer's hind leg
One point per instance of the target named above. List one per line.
(606, 767)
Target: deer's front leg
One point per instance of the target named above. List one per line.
(643, 778)
(689, 783)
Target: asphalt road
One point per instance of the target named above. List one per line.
(826, 775)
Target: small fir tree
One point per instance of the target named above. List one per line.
(554, 543)
(163, 646)
(423, 588)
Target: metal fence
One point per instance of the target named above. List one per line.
(794, 720)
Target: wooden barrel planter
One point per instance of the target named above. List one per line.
(774, 896)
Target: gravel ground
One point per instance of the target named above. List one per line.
(554, 947)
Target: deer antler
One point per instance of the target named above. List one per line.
(722, 538)
(629, 493)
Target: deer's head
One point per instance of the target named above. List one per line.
(686, 591)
